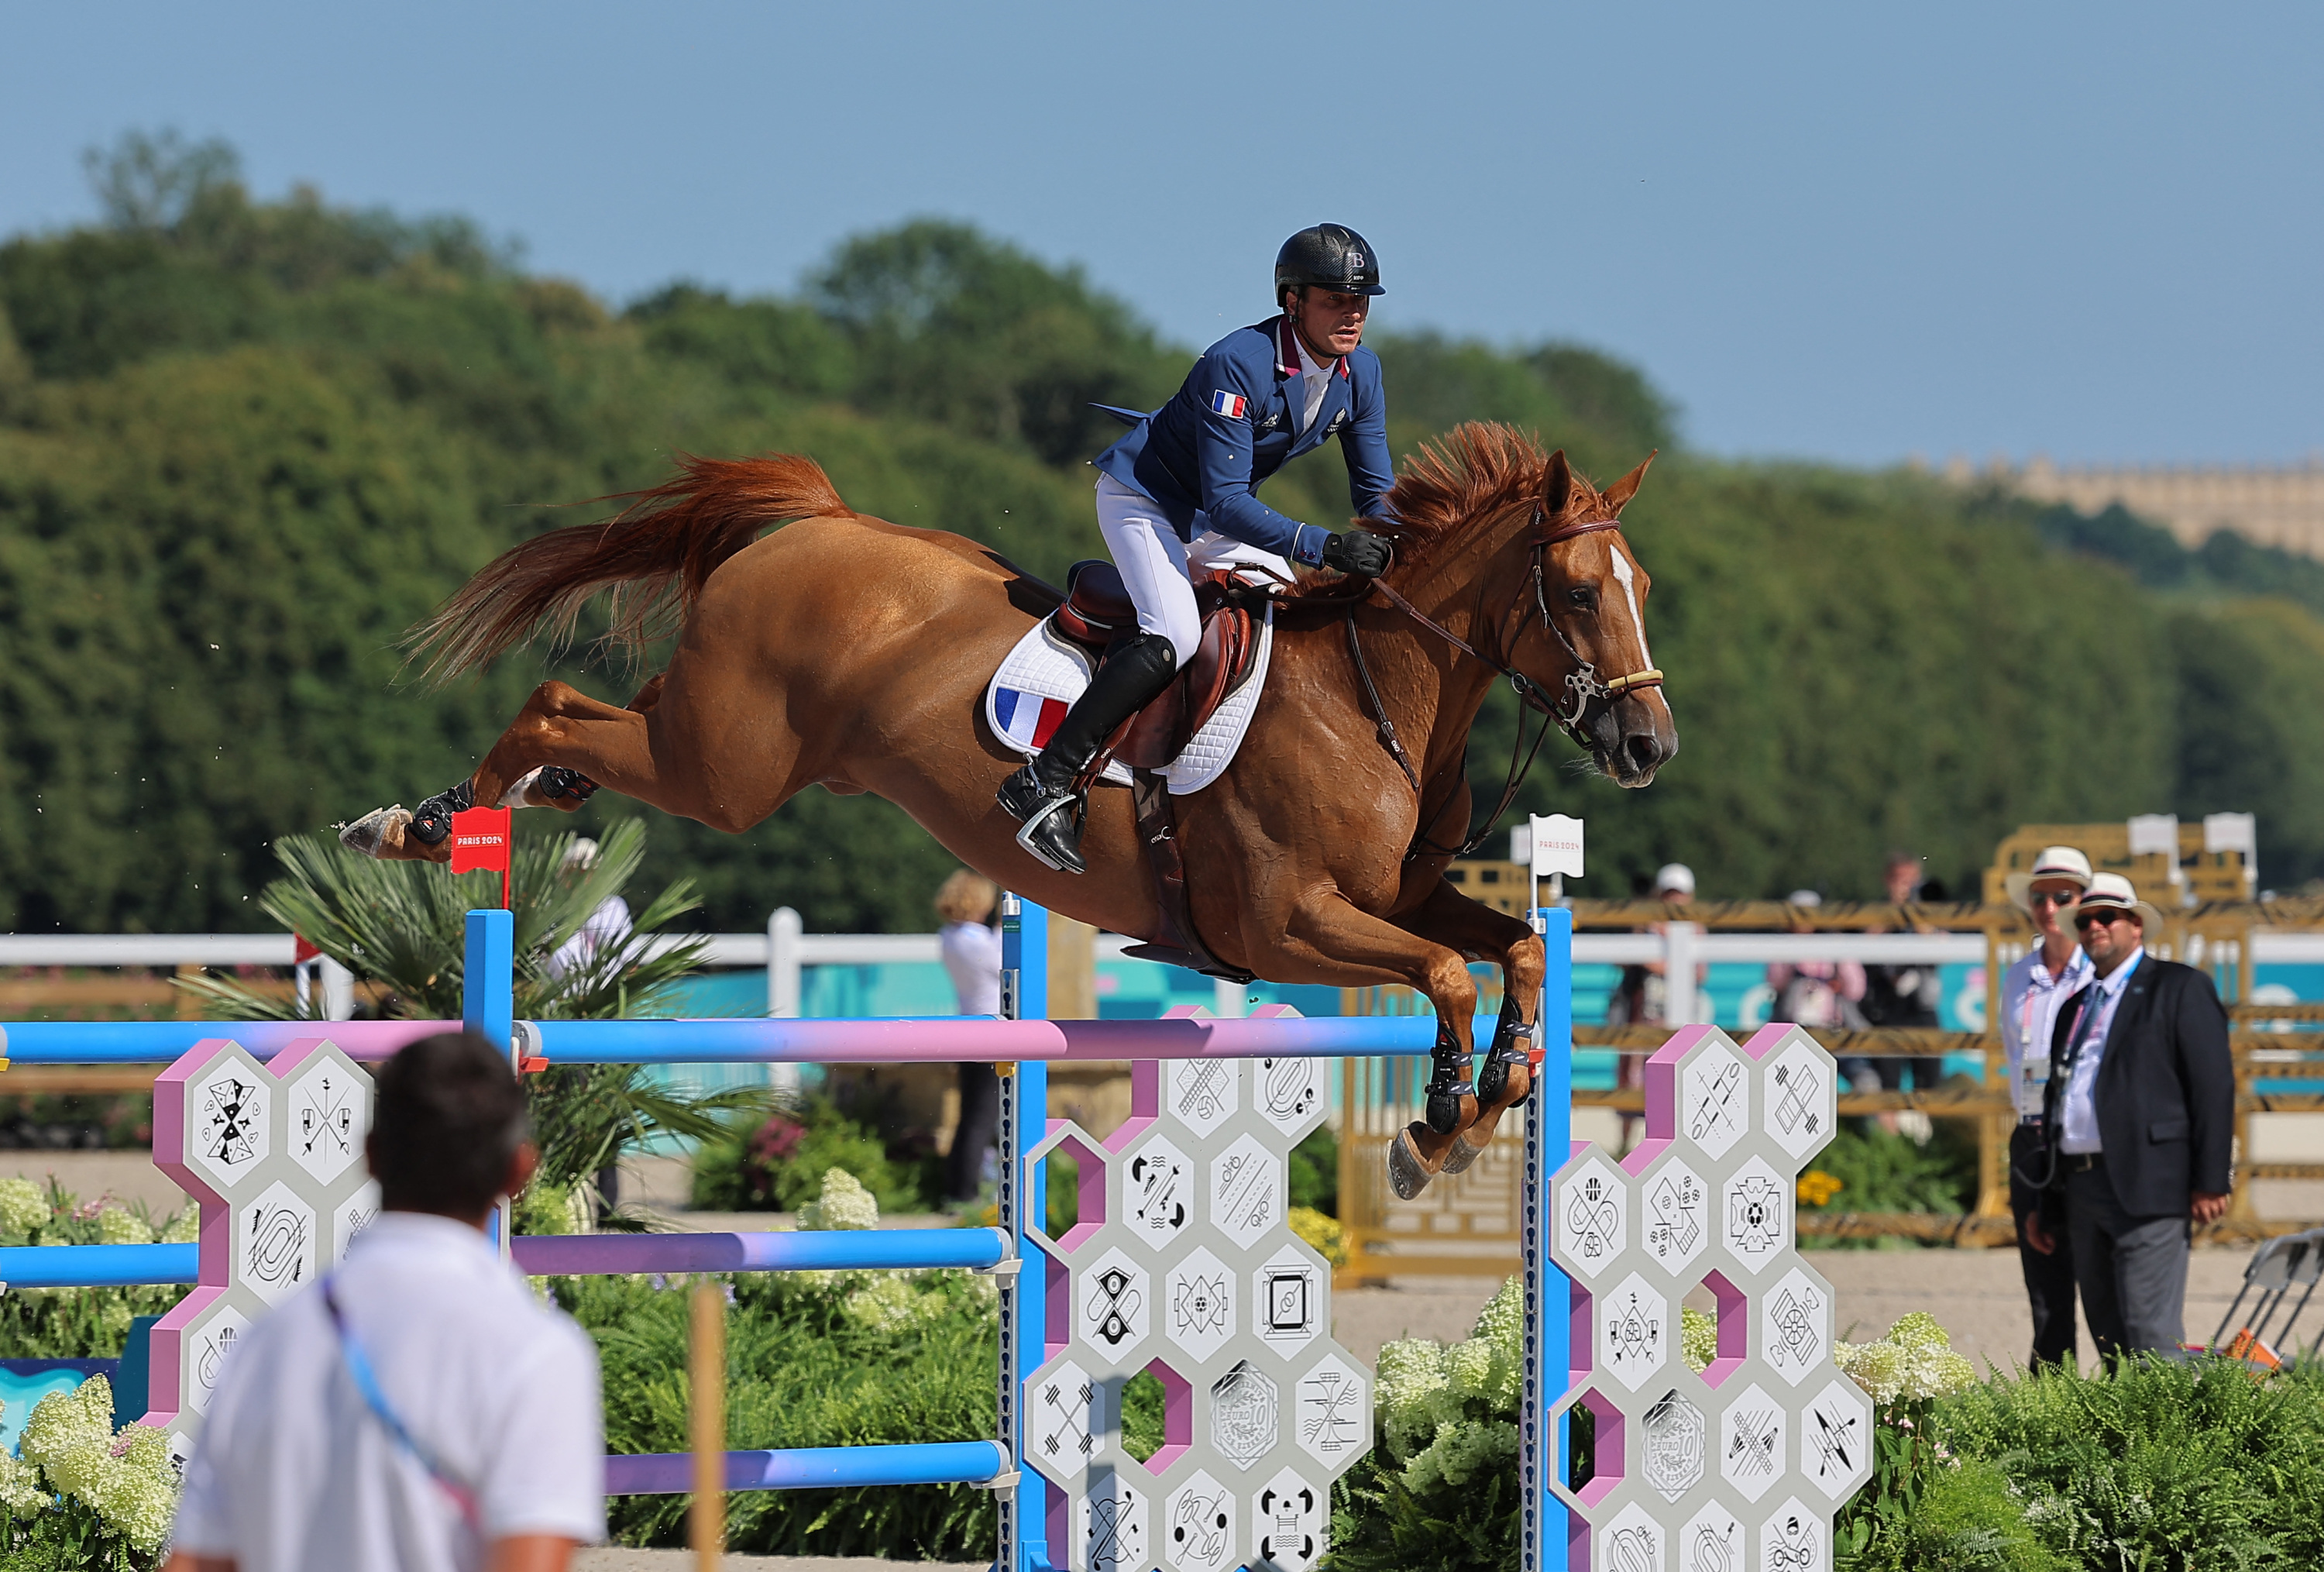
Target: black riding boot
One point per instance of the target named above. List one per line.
(1041, 795)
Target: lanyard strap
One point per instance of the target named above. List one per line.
(367, 1382)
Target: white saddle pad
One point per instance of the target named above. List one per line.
(1044, 674)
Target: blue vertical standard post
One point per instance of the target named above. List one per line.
(488, 1005)
(1024, 1297)
(1549, 1136)
(488, 975)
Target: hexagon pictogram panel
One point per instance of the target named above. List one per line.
(1157, 1191)
(1287, 1294)
(1204, 1093)
(1292, 1094)
(1197, 1269)
(1690, 1476)
(1291, 1514)
(1589, 1205)
(1199, 1303)
(1246, 1191)
(1795, 1538)
(277, 1145)
(1111, 1528)
(1674, 1214)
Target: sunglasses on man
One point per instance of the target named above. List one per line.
(2104, 914)
(2054, 897)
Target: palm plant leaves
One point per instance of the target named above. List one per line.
(404, 924)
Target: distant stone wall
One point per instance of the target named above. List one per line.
(2281, 506)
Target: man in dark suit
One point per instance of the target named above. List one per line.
(2139, 1125)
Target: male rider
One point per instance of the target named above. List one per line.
(1177, 494)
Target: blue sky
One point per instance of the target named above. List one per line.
(1836, 231)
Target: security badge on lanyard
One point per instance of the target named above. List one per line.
(2034, 1069)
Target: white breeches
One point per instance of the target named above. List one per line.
(1155, 563)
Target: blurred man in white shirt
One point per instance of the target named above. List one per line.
(2032, 990)
(417, 1410)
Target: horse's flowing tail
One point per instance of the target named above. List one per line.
(656, 555)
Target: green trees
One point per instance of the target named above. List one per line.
(244, 444)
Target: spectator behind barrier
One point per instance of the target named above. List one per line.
(968, 905)
(417, 1410)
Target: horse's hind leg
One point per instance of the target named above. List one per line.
(562, 787)
(590, 743)
(1453, 919)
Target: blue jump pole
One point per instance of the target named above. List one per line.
(1549, 1137)
(1024, 1193)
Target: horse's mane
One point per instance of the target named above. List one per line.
(1476, 471)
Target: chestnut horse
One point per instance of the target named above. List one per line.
(851, 653)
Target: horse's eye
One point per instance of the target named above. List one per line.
(1583, 597)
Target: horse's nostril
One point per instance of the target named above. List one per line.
(1643, 752)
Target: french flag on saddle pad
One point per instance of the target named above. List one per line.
(1231, 405)
(1026, 719)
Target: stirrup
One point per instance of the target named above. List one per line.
(431, 821)
(1050, 818)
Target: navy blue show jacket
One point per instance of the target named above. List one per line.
(1234, 423)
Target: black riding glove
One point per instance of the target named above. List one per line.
(1358, 552)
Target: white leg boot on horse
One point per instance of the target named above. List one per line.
(853, 654)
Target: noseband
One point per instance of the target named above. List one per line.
(1584, 686)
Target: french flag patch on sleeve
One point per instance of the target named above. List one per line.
(1231, 405)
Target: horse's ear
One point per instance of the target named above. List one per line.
(1556, 486)
(1618, 494)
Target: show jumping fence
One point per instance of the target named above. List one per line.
(1079, 1516)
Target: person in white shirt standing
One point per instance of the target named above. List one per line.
(417, 1410)
(2031, 990)
(969, 907)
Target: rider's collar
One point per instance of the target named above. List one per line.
(1287, 348)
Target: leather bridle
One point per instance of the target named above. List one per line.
(1584, 686)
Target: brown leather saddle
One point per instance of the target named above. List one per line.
(1097, 610)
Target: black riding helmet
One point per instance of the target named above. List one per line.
(1329, 257)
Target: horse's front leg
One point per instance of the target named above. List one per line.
(1326, 932)
(1477, 930)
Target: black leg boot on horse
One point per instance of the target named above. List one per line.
(1505, 1081)
(1048, 796)
(1421, 1150)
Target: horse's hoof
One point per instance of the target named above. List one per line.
(1408, 1176)
(1463, 1156)
(377, 834)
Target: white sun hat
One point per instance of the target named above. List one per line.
(2112, 891)
(2054, 863)
(1675, 876)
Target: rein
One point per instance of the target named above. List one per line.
(1584, 687)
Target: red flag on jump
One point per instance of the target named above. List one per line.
(480, 844)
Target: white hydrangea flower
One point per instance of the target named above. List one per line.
(19, 1487)
(1919, 1329)
(1461, 1451)
(844, 1204)
(68, 1432)
(184, 1228)
(23, 1207)
(889, 1303)
(1411, 1377)
(1879, 1368)
(120, 1225)
(137, 1489)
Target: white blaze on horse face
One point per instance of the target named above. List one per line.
(1628, 579)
